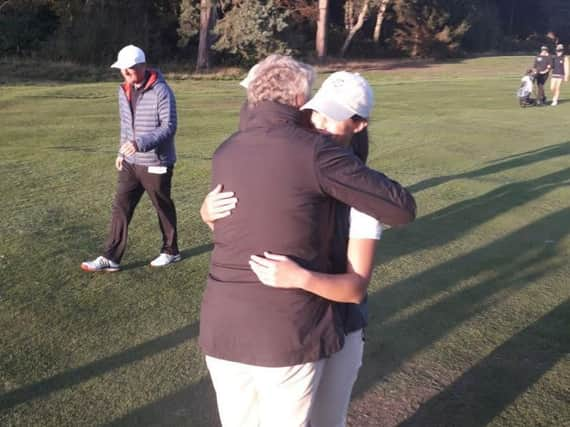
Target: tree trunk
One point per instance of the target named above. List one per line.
(416, 43)
(379, 19)
(355, 27)
(203, 62)
(321, 41)
(348, 13)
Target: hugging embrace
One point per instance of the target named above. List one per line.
(296, 215)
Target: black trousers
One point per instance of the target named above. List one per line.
(133, 181)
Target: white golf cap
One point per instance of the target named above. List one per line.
(128, 57)
(250, 76)
(343, 95)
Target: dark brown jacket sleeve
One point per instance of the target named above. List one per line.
(344, 177)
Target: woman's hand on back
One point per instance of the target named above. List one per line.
(217, 205)
(278, 271)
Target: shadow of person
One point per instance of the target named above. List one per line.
(505, 265)
(482, 393)
(198, 250)
(97, 368)
(185, 253)
(499, 165)
(194, 405)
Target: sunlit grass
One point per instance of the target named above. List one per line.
(469, 305)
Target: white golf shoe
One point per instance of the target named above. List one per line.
(100, 264)
(164, 259)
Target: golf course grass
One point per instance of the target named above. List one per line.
(469, 305)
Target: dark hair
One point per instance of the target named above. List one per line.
(338, 256)
(360, 141)
(360, 144)
(339, 247)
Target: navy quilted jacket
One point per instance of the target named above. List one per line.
(153, 125)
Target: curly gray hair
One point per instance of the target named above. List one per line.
(281, 79)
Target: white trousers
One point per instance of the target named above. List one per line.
(256, 396)
(339, 375)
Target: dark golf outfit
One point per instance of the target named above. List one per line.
(286, 179)
(542, 65)
(558, 67)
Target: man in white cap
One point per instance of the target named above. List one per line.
(560, 72)
(145, 161)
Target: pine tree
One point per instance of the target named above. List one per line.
(425, 29)
(188, 22)
(25, 25)
(250, 30)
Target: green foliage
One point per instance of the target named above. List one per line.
(92, 31)
(485, 32)
(188, 22)
(250, 30)
(425, 29)
(25, 26)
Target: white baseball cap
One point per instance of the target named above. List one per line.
(343, 95)
(250, 76)
(128, 57)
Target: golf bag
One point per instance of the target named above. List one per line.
(524, 96)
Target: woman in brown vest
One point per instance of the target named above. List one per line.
(341, 108)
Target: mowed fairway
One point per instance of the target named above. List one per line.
(470, 305)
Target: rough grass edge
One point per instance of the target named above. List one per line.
(34, 71)
(27, 71)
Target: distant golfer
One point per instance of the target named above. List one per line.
(145, 161)
(542, 66)
(560, 72)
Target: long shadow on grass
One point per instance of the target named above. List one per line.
(186, 253)
(499, 165)
(97, 368)
(491, 385)
(537, 152)
(198, 250)
(510, 263)
(451, 223)
(194, 405)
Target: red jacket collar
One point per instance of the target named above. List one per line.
(152, 78)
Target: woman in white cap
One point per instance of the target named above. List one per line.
(341, 109)
(560, 72)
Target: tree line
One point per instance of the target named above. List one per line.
(239, 32)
